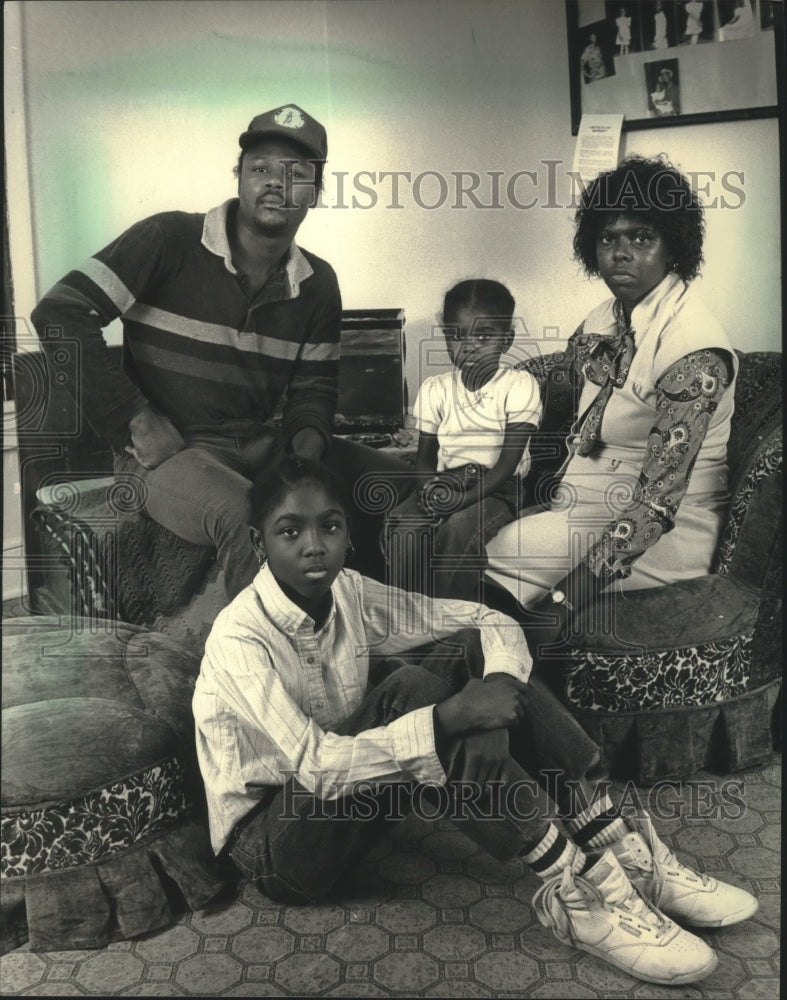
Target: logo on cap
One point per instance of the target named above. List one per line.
(289, 118)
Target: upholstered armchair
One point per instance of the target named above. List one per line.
(93, 552)
(690, 676)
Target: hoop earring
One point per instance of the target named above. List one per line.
(261, 559)
(350, 550)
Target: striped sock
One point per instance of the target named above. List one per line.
(553, 853)
(598, 826)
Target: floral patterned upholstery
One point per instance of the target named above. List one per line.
(102, 802)
(691, 676)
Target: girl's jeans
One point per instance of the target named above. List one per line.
(296, 846)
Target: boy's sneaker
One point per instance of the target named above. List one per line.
(683, 894)
(601, 912)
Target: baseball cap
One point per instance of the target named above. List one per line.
(288, 122)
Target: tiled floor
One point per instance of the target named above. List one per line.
(429, 915)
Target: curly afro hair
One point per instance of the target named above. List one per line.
(654, 191)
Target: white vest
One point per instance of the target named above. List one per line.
(669, 323)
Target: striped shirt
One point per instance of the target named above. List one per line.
(271, 689)
(196, 345)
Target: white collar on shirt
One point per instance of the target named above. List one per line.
(660, 301)
(214, 238)
(284, 613)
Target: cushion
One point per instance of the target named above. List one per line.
(689, 677)
(678, 685)
(686, 644)
(119, 562)
(102, 802)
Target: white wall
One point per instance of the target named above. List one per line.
(135, 107)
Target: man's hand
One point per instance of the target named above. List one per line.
(154, 438)
(308, 443)
(486, 756)
(482, 706)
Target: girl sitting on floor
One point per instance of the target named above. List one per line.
(306, 766)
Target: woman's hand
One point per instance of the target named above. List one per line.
(552, 630)
(550, 623)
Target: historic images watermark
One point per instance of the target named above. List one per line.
(523, 800)
(551, 185)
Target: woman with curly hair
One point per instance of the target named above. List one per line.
(644, 485)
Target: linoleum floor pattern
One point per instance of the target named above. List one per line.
(428, 914)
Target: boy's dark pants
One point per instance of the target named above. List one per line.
(449, 559)
(296, 846)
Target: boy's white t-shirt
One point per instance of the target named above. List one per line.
(470, 426)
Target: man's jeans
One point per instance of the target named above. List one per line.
(202, 495)
(296, 846)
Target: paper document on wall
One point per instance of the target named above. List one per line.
(598, 143)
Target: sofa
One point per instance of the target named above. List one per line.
(676, 689)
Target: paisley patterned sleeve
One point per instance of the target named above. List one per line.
(687, 395)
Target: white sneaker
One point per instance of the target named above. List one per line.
(601, 912)
(678, 891)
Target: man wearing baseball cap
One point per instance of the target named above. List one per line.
(227, 324)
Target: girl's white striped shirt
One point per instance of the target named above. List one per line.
(271, 689)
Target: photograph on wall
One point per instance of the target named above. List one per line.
(663, 83)
(596, 45)
(659, 20)
(695, 22)
(719, 82)
(736, 19)
(625, 22)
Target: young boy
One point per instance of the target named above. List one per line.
(474, 425)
